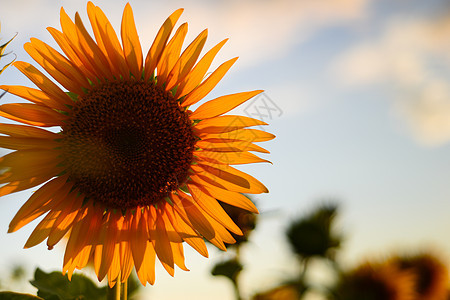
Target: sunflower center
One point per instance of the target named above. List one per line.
(127, 144)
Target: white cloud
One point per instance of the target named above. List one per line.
(428, 113)
(412, 56)
(259, 30)
(265, 30)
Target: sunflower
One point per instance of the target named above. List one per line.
(431, 275)
(373, 281)
(133, 172)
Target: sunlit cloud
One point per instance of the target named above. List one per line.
(411, 56)
(266, 30)
(428, 113)
(259, 30)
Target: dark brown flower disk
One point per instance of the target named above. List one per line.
(127, 144)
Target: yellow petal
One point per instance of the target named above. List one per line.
(211, 207)
(17, 186)
(131, 45)
(32, 114)
(178, 255)
(221, 105)
(40, 233)
(65, 220)
(139, 237)
(26, 143)
(235, 146)
(82, 218)
(54, 72)
(159, 43)
(22, 131)
(225, 124)
(170, 54)
(33, 95)
(193, 79)
(105, 33)
(91, 51)
(71, 35)
(228, 158)
(172, 234)
(40, 202)
(217, 239)
(80, 261)
(186, 61)
(229, 177)
(146, 273)
(59, 61)
(109, 243)
(161, 243)
(84, 233)
(35, 172)
(222, 235)
(92, 14)
(114, 268)
(126, 257)
(187, 232)
(46, 85)
(225, 178)
(229, 197)
(56, 205)
(189, 210)
(203, 89)
(57, 66)
(244, 135)
(28, 163)
(66, 47)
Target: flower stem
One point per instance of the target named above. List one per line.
(125, 290)
(114, 292)
(117, 291)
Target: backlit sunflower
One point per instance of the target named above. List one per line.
(374, 281)
(430, 275)
(133, 172)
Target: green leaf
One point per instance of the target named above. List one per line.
(55, 286)
(17, 296)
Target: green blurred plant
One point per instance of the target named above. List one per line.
(312, 235)
(17, 296)
(18, 272)
(56, 286)
(231, 270)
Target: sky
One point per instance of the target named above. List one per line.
(357, 93)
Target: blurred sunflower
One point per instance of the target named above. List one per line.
(375, 282)
(431, 275)
(133, 172)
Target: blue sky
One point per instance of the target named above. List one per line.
(364, 118)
